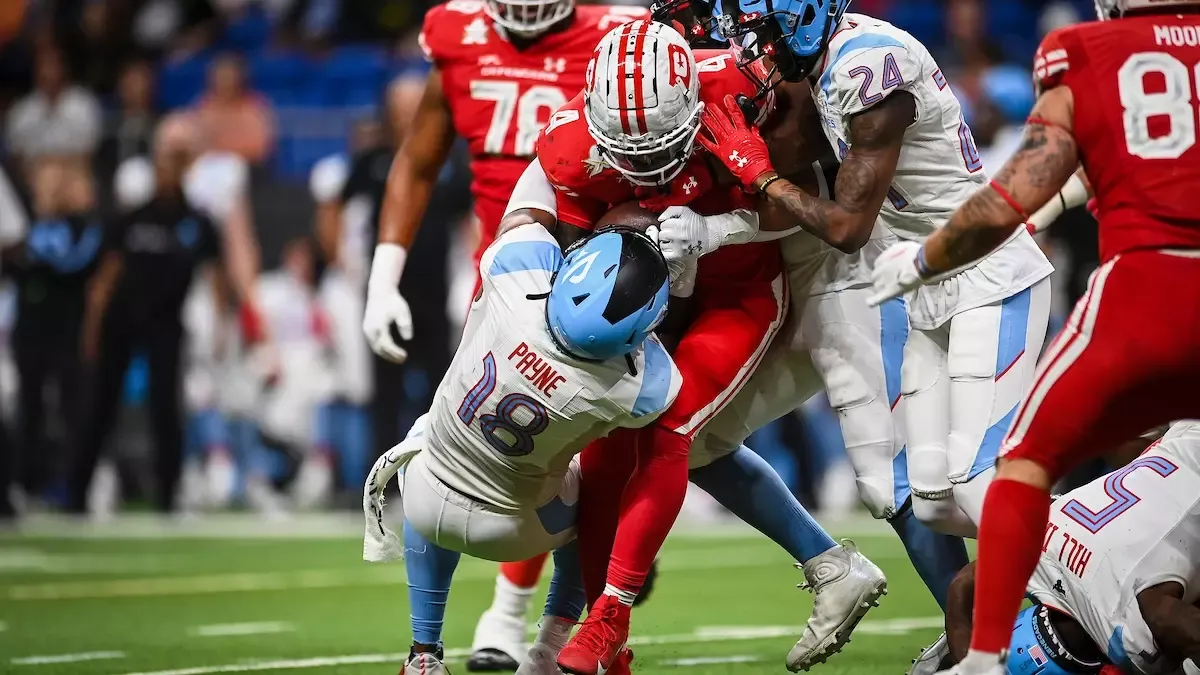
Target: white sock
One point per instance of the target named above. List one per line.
(981, 659)
(554, 632)
(510, 599)
(624, 597)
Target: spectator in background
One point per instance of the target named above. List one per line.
(51, 271)
(1005, 100)
(57, 119)
(136, 301)
(14, 222)
(237, 119)
(130, 127)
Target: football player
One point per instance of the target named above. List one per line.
(557, 352)
(888, 112)
(500, 68)
(1127, 357)
(1117, 581)
(591, 153)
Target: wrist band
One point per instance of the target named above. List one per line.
(923, 270)
(767, 183)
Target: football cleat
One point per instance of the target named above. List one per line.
(600, 641)
(931, 657)
(425, 663)
(499, 643)
(539, 661)
(846, 586)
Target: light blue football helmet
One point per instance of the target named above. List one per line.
(608, 295)
(1036, 650)
(793, 33)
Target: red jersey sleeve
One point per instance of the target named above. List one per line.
(1057, 60)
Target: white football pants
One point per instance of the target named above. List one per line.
(457, 522)
(962, 383)
(854, 350)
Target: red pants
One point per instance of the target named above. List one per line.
(1128, 360)
(722, 346)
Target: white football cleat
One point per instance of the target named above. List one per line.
(931, 657)
(499, 643)
(979, 663)
(846, 586)
(541, 660)
(425, 663)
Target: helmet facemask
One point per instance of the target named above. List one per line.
(764, 37)
(528, 18)
(649, 159)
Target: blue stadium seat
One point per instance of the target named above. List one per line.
(180, 83)
(276, 71)
(247, 33)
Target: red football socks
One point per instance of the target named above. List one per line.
(652, 501)
(1010, 542)
(524, 574)
(606, 465)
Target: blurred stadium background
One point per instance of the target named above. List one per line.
(315, 95)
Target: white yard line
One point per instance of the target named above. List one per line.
(711, 661)
(338, 525)
(65, 658)
(703, 634)
(250, 628)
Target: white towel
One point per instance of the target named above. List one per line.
(380, 543)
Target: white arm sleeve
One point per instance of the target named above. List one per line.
(1073, 194)
(533, 191)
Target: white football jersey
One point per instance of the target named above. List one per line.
(512, 410)
(1119, 535)
(940, 167)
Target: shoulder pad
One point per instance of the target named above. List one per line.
(566, 150)
(868, 68)
(445, 25)
(1051, 63)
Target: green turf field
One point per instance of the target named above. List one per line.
(225, 602)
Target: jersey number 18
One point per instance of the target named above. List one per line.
(501, 429)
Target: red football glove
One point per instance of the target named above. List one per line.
(738, 146)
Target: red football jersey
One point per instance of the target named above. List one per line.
(587, 187)
(1136, 83)
(500, 97)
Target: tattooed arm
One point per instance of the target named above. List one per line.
(1047, 158)
(846, 221)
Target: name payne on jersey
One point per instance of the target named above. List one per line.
(536, 369)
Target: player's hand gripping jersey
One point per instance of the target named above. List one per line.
(587, 187)
(1117, 536)
(1135, 86)
(868, 60)
(500, 96)
(512, 410)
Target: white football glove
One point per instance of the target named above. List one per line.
(385, 305)
(895, 272)
(684, 233)
(677, 261)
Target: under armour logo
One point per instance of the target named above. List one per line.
(555, 65)
(690, 184)
(1058, 587)
(738, 159)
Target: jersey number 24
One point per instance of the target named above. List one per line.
(501, 429)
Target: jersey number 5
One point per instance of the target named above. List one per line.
(527, 107)
(502, 430)
(1123, 498)
(1174, 104)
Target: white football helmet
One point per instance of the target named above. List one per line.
(1114, 9)
(528, 18)
(643, 101)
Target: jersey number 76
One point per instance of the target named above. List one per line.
(501, 429)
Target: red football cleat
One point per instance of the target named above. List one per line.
(600, 640)
(621, 665)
